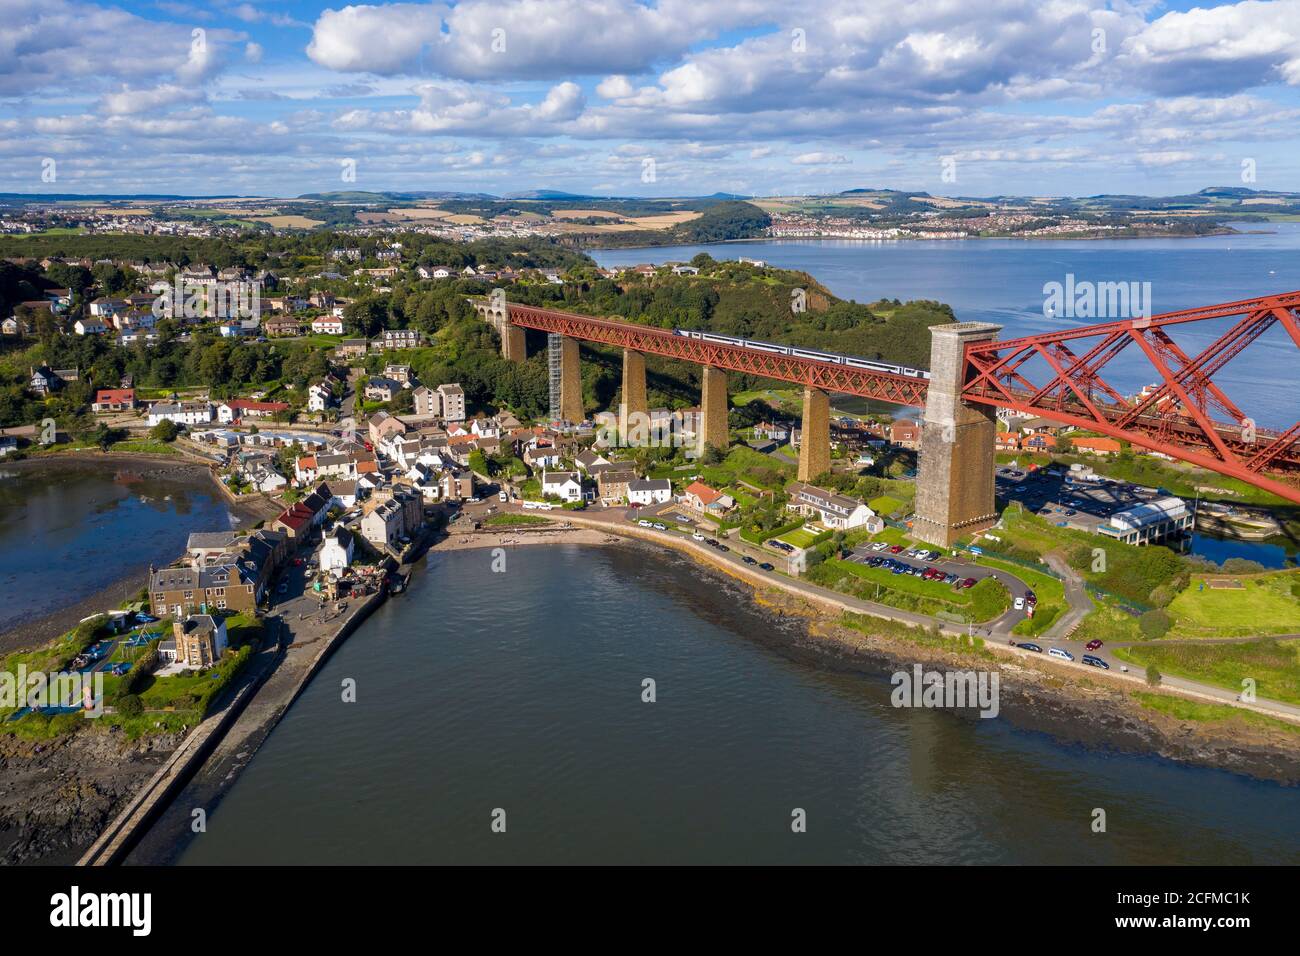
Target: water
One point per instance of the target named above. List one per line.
(73, 528)
(1220, 549)
(1001, 281)
(522, 691)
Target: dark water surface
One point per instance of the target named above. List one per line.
(72, 528)
(522, 691)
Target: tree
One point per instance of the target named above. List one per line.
(129, 706)
(1155, 623)
(1154, 676)
(165, 430)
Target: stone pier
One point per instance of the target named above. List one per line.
(815, 434)
(571, 409)
(954, 490)
(713, 409)
(634, 397)
(513, 348)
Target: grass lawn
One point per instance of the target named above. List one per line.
(1273, 665)
(754, 467)
(1265, 605)
(799, 537)
(884, 505)
(514, 519)
(1211, 713)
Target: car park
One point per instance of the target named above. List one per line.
(1062, 654)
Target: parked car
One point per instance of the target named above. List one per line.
(968, 583)
(767, 567)
(643, 523)
(1094, 644)
(1020, 604)
(660, 527)
(748, 560)
(896, 549)
(1094, 661)
(1062, 654)
(1031, 647)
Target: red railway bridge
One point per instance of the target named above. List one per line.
(1057, 375)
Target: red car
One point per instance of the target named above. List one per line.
(896, 549)
(968, 583)
(1093, 644)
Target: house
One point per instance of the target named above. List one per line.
(451, 399)
(399, 373)
(1040, 426)
(114, 400)
(1039, 441)
(178, 591)
(320, 397)
(383, 525)
(351, 348)
(238, 409)
(457, 485)
(649, 491)
(564, 485)
(400, 339)
(103, 307)
(701, 497)
(44, 380)
(541, 456)
(613, 483)
(833, 511)
(298, 519)
(182, 413)
(383, 426)
(427, 401)
(1096, 446)
(336, 550)
(591, 462)
(286, 327)
(90, 326)
(1007, 441)
(198, 641)
(905, 434)
(382, 389)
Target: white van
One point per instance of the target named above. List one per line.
(1057, 652)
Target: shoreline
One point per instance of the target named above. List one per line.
(1098, 711)
(26, 634)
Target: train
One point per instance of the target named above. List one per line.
(832, 357)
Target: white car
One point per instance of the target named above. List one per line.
(697, 536)
(644, 524)
(1020, 604)
(660, 527)
(879, 546)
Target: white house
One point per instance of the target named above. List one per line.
(327, 325)
(319, 397)
(649, 491)
(563, 484)
(89, 327)
(834, 511)
(336, 550)
(182, 413)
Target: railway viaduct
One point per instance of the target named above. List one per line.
(972, 374)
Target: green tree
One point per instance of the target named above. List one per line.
(165, 430)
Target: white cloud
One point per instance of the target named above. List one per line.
(820, 159)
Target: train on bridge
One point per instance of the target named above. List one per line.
(832, 357)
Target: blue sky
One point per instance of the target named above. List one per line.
(1043, 97)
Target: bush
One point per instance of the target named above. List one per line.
(130, 706)
(1154, 624)
(165, 430)
(1153, 676)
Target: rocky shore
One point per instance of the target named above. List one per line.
(57, 795)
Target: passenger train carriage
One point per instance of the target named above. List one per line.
(805, 353)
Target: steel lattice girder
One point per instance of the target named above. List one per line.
(1174, 418)
(882, 386)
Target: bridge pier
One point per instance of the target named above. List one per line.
(513, 348)
(815, 434)
(714, 429)
(571, 409)
(954, 490)
(634, 394)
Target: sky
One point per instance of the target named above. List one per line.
(655, 98)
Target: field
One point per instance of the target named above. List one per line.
(1273, 665)
(1264, 605)
(289, 222)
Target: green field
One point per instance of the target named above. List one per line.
(799, 537)
(884, 505)
(1265, 605)
(1273, 665)
(499, 520)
